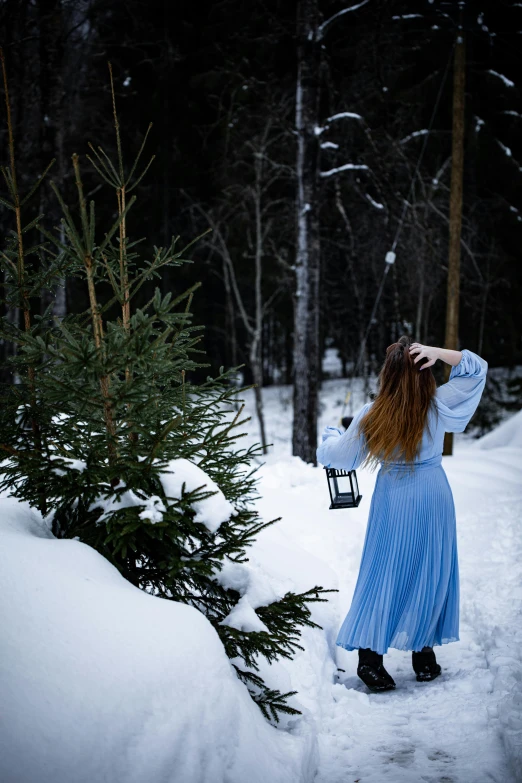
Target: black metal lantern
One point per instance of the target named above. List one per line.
(344, 489)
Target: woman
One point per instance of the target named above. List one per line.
(407, 592)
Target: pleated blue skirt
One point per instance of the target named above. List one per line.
(407, 592)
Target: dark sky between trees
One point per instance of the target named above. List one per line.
(218, 82)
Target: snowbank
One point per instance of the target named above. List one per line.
(100, 682)
(509, 433)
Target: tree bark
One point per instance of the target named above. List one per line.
(455, 222)
(306, 309)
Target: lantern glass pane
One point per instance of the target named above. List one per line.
(355, 485)
(345, 487)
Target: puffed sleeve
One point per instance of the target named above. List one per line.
(457, 400)
(343, 450)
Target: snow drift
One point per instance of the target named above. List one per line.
(101, 682)
(509, 433)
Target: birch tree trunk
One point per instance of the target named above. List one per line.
(306, 310)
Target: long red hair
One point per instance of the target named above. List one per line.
(394, 425)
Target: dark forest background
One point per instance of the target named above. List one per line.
(218, 82)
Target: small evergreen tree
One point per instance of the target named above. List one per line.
(111, 439)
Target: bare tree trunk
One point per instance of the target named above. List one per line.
(457, 167)
(257, 376)
(256, 345)
(306, 310)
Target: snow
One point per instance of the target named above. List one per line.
(504, 149)
(414, 135)
(244, 618)
(374, 203)
(321, 29)
(101, 682)
(344, 167)
(507, 434)
(501, 76)
(332, 366)
(183, 476)
(153, 507)
(153, 510)
(344, 115)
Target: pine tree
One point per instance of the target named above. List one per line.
(133, 457)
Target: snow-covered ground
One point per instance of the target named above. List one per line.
(102, 683)
(466, 726)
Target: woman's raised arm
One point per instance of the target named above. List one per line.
(457, 400)
(343, 450)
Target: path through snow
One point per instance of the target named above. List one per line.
(466, 726)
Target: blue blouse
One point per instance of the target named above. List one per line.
(455, 403)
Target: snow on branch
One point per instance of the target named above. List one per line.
(414, 135)
(506, 81)
(321, 29)
(478, 123)
(504, 149)
(344, 115)
(329, 145)
(374, 203)
(409, 16)
(345, 167)
(512, 113)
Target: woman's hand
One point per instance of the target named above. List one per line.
(424, 352)
(432, 354)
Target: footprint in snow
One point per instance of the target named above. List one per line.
(403, 757)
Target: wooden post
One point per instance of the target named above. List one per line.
(455, 218)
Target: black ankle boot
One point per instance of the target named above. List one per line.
(425, 665)
(372, 672)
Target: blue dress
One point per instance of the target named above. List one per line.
(407, 592)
